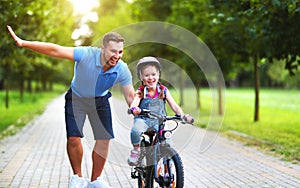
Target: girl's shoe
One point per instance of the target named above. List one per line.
(133, 158)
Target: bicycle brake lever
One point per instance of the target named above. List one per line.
(129, 111)
(145, 112)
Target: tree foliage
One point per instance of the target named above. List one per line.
(32, 20)
(238, 32)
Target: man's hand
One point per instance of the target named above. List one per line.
(18, 41)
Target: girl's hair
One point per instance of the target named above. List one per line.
(161, 95)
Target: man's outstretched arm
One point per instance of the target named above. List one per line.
(49, 49)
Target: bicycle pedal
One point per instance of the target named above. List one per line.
(133, 175)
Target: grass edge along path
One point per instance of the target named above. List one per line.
(278, 130)
(276, 133)
(22, 112)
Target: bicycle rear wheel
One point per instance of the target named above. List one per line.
(169, 170)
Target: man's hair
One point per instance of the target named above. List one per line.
(112, 36)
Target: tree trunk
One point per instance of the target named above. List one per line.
(44, 85)
(181, 88)
(220, 96)
(6, 94)
(37, 85)
(50, 85)
(22, 87)
(6, 81)
(198, 86)
(2, 84)
(29, 85)
(256, 86)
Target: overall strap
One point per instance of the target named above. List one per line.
(161, 90)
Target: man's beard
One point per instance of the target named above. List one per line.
(107, 62)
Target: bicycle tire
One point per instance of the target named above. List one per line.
(142, 176)
(177, 174)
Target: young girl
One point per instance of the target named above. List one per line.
(150, 95)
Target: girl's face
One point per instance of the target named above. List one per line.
(150, 76)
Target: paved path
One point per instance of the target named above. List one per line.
(36, 156)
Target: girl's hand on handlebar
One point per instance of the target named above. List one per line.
(135, 110)
(188, 118)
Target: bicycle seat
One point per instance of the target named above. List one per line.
(150, 131)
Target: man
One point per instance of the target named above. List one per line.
(96, 70)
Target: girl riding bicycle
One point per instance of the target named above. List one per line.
(150, 95)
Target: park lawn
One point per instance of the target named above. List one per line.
(277, 131)
(20, 112)
(278, 128)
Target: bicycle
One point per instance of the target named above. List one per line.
(159, 165)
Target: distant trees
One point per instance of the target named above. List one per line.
(249, 38)
(42, 20)
(240, 33)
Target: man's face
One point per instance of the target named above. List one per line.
(112, 52)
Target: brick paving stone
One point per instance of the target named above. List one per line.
(36, 156)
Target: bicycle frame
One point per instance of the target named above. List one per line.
(152, 150)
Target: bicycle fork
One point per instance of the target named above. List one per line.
(164, 178)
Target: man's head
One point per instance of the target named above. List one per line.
(112, 36)
(112, 48)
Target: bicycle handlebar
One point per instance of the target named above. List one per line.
(148, 113)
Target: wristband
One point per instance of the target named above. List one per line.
(133, 108)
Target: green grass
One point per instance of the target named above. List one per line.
(20, 112)
(276, 132)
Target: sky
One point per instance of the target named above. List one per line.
(84, 9)
(84, 6)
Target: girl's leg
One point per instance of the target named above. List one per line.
(139, 126)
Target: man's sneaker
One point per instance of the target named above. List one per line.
(99, 183)
(133, 158)
(78, 182)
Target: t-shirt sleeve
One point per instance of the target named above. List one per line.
(79, 53)
(125, 76)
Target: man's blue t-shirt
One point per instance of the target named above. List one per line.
(89, 78)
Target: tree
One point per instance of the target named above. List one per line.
(282, 18)
(266, 23)
(241, 31)
(32, 20)
(111, 15)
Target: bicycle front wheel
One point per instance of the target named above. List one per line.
(169, 170)
(142, 166)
